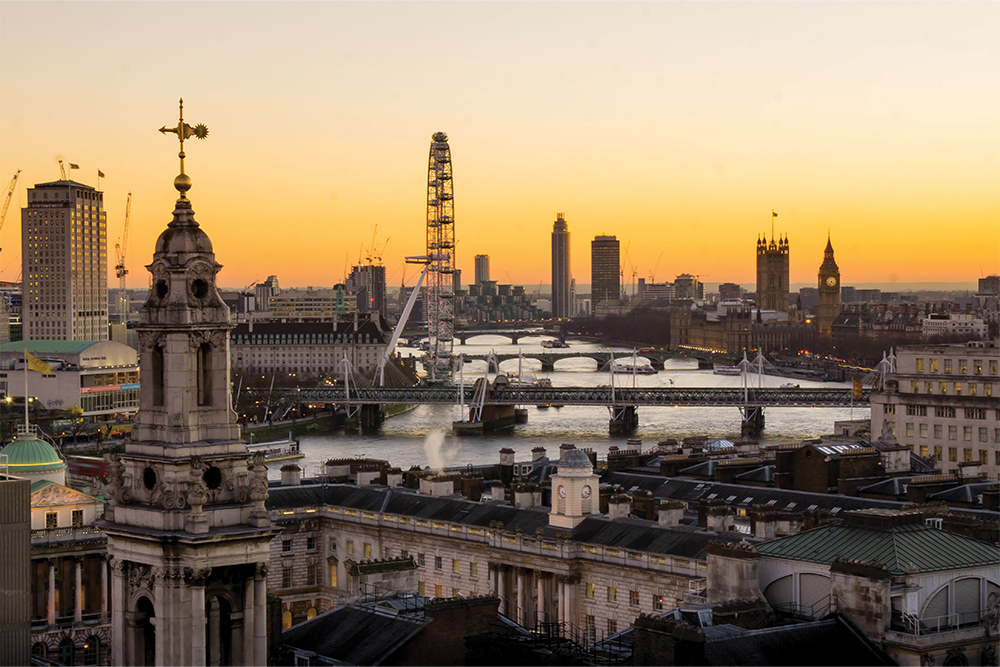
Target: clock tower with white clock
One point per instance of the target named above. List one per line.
(574, 489)
(829, 291)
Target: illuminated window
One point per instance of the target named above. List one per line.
(473, 569)
(420, 588)
(952, 454)
(977, 366)
(51, 520)
(456, 566)
(923, 450)
(437, 590)
(937, 453)
(920, 365)
(350, 546)
(947, 365)
(933, 365)
(612, 594)
(915, 387)
(962, 366)
(958, 388)
(77, 517)
(928, 387)
(590, 590)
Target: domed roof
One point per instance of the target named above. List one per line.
(27, 454)
(575, 458)
(183, 236)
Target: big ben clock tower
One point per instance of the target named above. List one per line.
(829, 291)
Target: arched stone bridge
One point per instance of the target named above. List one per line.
(655, 359)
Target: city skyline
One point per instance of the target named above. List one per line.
(676, 126)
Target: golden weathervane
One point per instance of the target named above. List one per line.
(184, 131)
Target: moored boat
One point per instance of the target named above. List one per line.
(633, 369)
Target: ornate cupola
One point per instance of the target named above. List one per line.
(187, 529)
(574, 489)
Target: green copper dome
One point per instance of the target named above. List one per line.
(28, 454)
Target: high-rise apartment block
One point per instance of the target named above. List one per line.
(562, 293)
(64, 262)
(482, 269)
(772, 273)
(367, 283)
(605, 279)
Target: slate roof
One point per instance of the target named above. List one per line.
(928, 549)
(795, 645)
(354, 634)
(48, 346)
(762, 474)
(966, 493)
(626, 533)
(894, 486)
(641, 535)
(693, 490)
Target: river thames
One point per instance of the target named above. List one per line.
(417, 436)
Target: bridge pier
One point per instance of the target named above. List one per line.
(548, 366)
(461, 338)
(514, 338)
(753, 422)
(705, 365)
(624, 419)
(371, 417)
(656, 363)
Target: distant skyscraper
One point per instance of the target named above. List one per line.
(367, 281)
(829, 291)
(562, 294)
(64, 263)
(772, 273)
(605, 280)
(482, 269)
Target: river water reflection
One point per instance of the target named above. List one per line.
(403, 438)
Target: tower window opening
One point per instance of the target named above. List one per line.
(204, 374)
(157, 372)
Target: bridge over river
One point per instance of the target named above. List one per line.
(706, 360)
(622, 401)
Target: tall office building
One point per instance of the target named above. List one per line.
(482, 269)
(605, 279)
(64, 263)
(772, 273)
(562, 293)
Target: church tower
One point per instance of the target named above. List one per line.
(829, 291)
(772, 271)
(187, 530)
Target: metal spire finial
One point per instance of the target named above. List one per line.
(184, 131)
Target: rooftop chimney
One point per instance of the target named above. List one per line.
(291, 475)
(619, 506)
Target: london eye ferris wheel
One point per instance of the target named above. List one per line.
(440, 246)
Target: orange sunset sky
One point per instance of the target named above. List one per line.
(677, 126)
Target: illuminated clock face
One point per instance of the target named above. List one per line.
(585, 493)
(831, 281)
(562, 491)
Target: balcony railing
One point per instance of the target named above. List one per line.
(75, 533)
(911, 625)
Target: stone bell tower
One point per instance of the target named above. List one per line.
(187, 530)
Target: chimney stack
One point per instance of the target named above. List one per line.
(291, 475)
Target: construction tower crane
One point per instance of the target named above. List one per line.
(7, 198)
(120, 269)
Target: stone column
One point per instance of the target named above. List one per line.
(543, 613)
(122, 636)
(104, 589)
(502, 589)
(197, 584)
(51, 602)
(561, 601)
(78, 590)
(161, 619)
(213, 631)
(248, 621)
(522, 596)
(260, 615)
